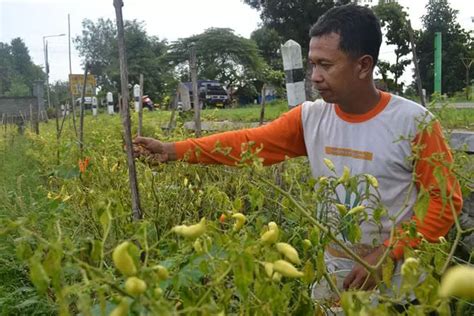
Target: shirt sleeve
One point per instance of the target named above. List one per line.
(279, 139)
(434, 177)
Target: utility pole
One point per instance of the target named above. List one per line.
(415, 62)
(437, 62)
(73, 105)
(46, 63)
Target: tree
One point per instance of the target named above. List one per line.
(60, 92)
(98, 47)
(293, 20)
(17, 71)
(221, 55)
(269, 42)
(440, 17)
(6, 70)
(394, 19)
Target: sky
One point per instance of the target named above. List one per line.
(31, 20)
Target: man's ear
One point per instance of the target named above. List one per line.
(366, 66)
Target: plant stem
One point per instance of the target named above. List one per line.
(323, 228)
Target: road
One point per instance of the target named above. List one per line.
(460, 105)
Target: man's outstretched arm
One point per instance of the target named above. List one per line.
(279, 139)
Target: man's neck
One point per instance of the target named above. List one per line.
(361, 101)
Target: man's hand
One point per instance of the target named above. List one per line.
(153, 149)
(359, 278)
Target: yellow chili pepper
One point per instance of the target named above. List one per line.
(123, 261)
(192, 231)
(239, 221)
(286, 269)
(289, 252)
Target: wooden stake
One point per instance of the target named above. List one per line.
(140, 111)
(173, 113)
(262, 102)
(197, 107)
(81, 122)
(31, 118)
(136, 211)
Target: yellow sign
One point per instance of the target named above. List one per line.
(76, 83)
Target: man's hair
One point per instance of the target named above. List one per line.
(357, 26)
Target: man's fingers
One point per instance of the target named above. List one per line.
(357, 282)
(368, 283)
(140, 140)
(349, 278)
(357, 278)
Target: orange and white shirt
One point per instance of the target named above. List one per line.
(379, 142)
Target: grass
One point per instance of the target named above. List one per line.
(246, 113)
(452, 118)
(249, 113)
(20, 194)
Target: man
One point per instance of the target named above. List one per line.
(354, 125)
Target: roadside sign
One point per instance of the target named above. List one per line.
(76, 82)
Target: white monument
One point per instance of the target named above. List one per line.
(294, 72)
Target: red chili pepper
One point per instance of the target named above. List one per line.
(83, 165)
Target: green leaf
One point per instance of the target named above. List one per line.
(256, 198)
(427, 291)
(416, 310)
(354, 233)
(387, 272)
(38, 275)
(84, 305)
(243, 271)
(314, 236)
(320, 265)
(96, 251)
(52, 266)
(105, 220)
(238, 204)
(422, 203)
(309, 273)
(23, 249)
(439, 261)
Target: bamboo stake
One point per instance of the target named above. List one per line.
(262, 109)
(140, 111)
(136, 211)
(31, 118)
(197, 106)
(173, 113)
(81, 122)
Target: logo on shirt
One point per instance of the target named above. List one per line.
(347, 152)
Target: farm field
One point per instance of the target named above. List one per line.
(69, 244)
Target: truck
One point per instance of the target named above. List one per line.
(212, 93)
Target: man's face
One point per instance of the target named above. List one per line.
(334, 72)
